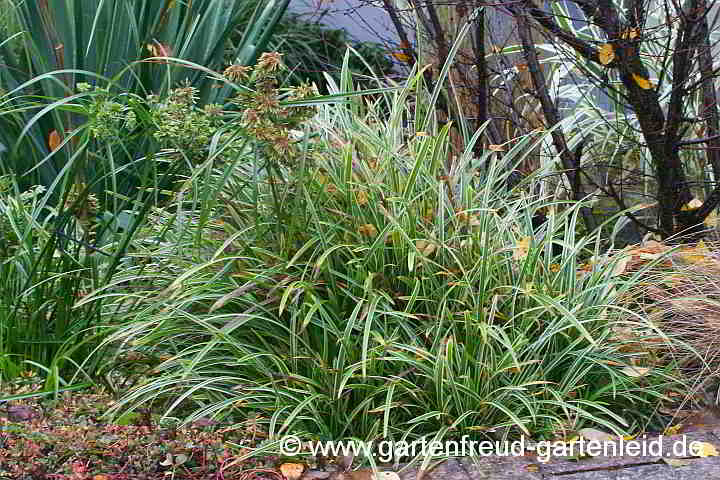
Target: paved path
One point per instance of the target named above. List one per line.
(595, 468)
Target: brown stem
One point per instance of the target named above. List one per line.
(570, 164)
(709, 97)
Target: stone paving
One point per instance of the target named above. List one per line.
(529, 467)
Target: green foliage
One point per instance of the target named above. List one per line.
(117, 46)
(364, 290)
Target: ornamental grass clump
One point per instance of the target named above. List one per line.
(379, 288)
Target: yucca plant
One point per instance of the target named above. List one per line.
(120, 45)
(91, 99)
(371, 288)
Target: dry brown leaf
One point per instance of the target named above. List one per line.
(496, 148)
(621, 265)
(606, 54)
(292, 471)
(642, 82)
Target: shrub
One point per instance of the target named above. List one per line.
(371, 287)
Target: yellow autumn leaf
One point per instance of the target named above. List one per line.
(694, 255)
(421, 134)
(425, 248)
(606, 53)
(403, 57)
(361, 198)
(643, 83)
(673, 430)
(692, 205)
(521, 248)
(54, 140)
(703, 449)
(368, 230)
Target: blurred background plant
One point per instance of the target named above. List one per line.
(311, 50)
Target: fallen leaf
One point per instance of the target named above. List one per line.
(401, 56)
(292, 471)
(386, 476)
(643, 83)
(425, 247)
(361, 198)
(676, 462)
(692, 205)
(368, 230)
(496, 148)
(621, 265)
(532, 468)
(694, 255)
(673, 429)
(703, 449)
(606, 54)
(54, 140)
(594, 434)
(635, 371)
